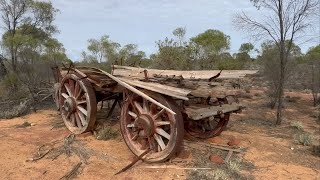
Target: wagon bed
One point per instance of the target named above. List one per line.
(157, 106)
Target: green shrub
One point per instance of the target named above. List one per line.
(297, 125)
(10, 81)
(230, 64)
(304, 139)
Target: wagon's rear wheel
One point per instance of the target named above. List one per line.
(144, 125)
(78, 105)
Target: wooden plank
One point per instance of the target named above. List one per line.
(134, 72)
(196, 113)
(134, 90)
(217, 91)
(159, 88)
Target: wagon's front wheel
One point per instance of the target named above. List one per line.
(78, 105)
(144, 126)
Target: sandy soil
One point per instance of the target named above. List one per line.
(271, 151)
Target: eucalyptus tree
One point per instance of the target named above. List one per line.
(18, 17)
(208, 46)
(283, 21)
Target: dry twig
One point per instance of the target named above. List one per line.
(73, 172)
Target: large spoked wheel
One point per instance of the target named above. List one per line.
(144, 126)
(78, 105)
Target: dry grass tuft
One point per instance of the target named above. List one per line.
(107, 133)
(305, 139)
(234, 166)
(297, 125)
(220, 174)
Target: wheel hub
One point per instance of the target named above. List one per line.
(146, 123)
(70, 105)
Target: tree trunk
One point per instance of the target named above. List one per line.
(282, 63)
(281, 82)
(280, 97)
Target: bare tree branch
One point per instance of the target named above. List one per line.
(288, 19)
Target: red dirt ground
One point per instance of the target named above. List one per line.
(271, 150)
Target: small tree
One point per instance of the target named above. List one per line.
(180, 32)
(284, 21)
(18, 14)
(313, 58)
(209, 46)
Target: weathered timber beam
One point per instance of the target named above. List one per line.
(134, 90)
(126, 71)
(196, 113)
(159, 88)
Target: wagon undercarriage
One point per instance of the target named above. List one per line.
(157, 106)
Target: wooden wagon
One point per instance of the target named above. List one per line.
(157, 106)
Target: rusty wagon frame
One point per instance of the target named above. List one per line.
(157, 106)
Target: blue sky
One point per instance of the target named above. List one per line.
(143, 22)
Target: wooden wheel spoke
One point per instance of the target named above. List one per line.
(84, 111)
(82, 118)
(162, 123)
(66, 85)
(159, 141)
(68, 115)
(81, 102)
(138, 107)
(66, 96)
(71, 85)
(159, 114)
(78, 122)
(76, 88)
(135, 137)
(145, 105)
(163, 133)
(78, 94)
